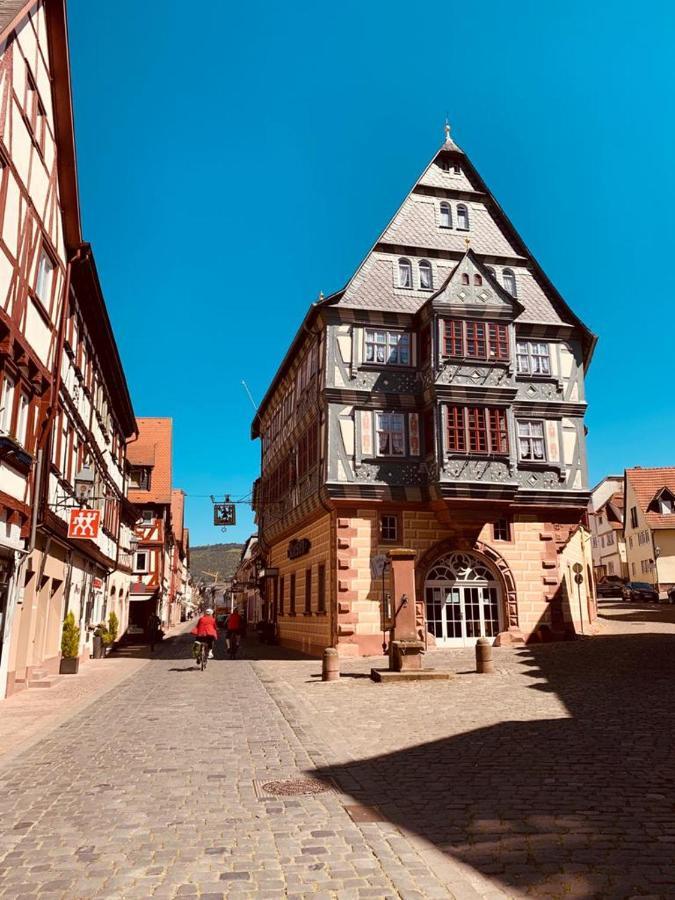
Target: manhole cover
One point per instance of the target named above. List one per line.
(291, 787)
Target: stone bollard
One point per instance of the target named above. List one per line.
(330, 669)
(484, 662)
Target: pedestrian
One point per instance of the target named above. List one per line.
(154, 630)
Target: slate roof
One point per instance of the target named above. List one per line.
(646, 484)
(416, 227)
(9, 9)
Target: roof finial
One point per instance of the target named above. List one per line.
(447, 130)
(467, 241)
(320, 296)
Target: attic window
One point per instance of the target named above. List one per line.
(666, 503)
(446, 216)
(465, 278)
(426, 279)
(404, 273)
(462, 217)
(509, 282)
(477, 280)
(139, 477)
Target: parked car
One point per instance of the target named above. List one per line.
(610, 586)
(671, 595)
(640, 591)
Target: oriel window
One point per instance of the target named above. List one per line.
(388, 347)
(390, 434)
(531, 439)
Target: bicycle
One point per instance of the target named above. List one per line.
(201, 654)
(233, 643)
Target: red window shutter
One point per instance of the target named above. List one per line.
(477, 430)
(499, 437)
(456, 435)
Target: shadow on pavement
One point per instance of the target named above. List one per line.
(580, 805)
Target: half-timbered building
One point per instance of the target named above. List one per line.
(435, 403)
(66, 413)
(159, 556)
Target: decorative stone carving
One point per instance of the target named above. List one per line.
(392, 473)
(543, 479)
(540, 390)
(488, 376)
(388, 382)
(476, 470)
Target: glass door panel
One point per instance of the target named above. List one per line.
(454, 613)
(434, 603)
(472, 612)
(490, 605)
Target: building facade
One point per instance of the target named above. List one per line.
(436, 403)
(649, 526)
(605, 518)
(160, 558)
(65, 408)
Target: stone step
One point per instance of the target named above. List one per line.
(41, 679)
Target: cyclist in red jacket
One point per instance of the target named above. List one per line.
(206, 631)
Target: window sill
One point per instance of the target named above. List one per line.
(376, 366)
(474, 360)
(307, 613)
(539, 464)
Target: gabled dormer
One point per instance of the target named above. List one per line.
(663, 502)
(471, 289)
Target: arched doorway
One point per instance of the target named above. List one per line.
(463, 600)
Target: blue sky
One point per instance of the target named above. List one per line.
(236, 159)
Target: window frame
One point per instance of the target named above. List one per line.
(391, 415)
(502, 526)
(462, 213)
(308, 591)
(396, 517)
(7, 400)
(472, 430)
(461, 334)
(445, 212)
(321, 590)
(526, 350)
(425, 265)
(387, 344)
(509, 275)
(404, 262)
(291, 596)
(45, 255)
(142, 570)
(532, 437)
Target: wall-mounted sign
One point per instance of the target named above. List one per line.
(97, 584)
(299, 547)
(84, 523)
(224, 514)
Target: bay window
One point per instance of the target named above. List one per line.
(7, 405)
(533, 358)
(476, 429)
(390, 434)
(531, 439)
(469, 339)
(387, 347)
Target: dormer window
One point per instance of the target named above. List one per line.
(666, 503)
(140, 478)
(404, 273)
(509, 282)
(446, 215)
(462, 217)
(426, 275)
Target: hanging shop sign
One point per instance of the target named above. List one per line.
(224, 514)
(84, 523)
(298, 548)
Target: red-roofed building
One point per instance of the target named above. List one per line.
(159, 558)
(649, 502)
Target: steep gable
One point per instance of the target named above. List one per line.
(441, 210)
(648, 485)
(472, 287)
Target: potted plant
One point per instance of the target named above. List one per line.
(70, 646)
(101, 641)
(113, 628)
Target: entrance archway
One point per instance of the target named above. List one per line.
(463, 600)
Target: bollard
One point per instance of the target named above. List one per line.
(484, 662)
(330, 669)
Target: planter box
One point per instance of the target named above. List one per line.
(69, 666)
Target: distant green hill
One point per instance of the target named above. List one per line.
(221, 558)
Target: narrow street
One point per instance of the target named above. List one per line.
(553, 778)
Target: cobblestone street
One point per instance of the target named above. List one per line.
(553, 778)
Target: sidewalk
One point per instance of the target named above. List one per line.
(28, 716)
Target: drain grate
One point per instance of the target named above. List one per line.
(291, 787)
